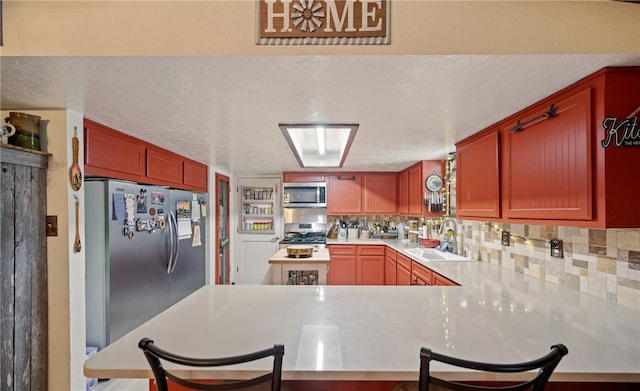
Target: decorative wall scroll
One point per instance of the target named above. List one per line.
(323, 22)
(624, 133)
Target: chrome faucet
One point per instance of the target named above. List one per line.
(450, 242)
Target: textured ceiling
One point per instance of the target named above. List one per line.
(224, 111)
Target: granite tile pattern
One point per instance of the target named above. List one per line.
(600, 262)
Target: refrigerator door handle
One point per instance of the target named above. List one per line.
(171, 243)
(176, 241)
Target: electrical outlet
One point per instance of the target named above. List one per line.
(506, 238)
(556, 248)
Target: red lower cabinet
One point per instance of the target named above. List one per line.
(403, 276)
(377, 265)
(390, 267)
(439, 280)
(421, 275)
(342, 267)
(370, 265)
(403, 270)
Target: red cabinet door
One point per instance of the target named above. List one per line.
(478, 192)
(344, 194)
(164, 166)
(379, 193)
(390, 267)
(403, 192)
(403, 270)
(439, 280)
(342, 270)
(370, 270)
(342, 267)
(112, 154)
(421, 275)
(403, 276)
(416, 187)
(404, 261)
(370, 265)
(390, 277)
(195, 175)
(547, 165)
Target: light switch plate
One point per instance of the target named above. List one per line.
(556, 248)
(52, 226)
(506, 238)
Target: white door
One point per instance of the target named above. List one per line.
(259, 228)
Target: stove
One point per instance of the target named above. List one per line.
(310, 238)
(312, 234)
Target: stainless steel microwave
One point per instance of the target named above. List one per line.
(304, 195)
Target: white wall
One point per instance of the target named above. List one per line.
(133, 28)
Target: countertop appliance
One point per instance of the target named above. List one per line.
(304, 195)
(145, 251)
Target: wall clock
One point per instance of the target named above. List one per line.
(433, 182)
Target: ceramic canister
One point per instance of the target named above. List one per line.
(27, 130)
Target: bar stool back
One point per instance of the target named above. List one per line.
(545, 366)
(154, 355)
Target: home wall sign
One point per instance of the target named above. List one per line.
(323, 22)
(625, 133)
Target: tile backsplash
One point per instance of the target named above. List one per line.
(599, 262)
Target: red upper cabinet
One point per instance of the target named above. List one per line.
(164, 166)
(416, 185)
(195, 175)
(411, 188)
(113, 154)
(293, 176)
(566, 163)
(547, 165)
(478, 176)
(110, 153)
(379, 193)
(344, 194)
(362, 193)
(403, 192)
(616, 178)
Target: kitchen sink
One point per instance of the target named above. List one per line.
(433, 255)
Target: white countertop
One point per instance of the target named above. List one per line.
(320, 256)
(375, 332)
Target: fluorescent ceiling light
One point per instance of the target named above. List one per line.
(319, 145)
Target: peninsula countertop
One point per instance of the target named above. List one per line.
(375, 332)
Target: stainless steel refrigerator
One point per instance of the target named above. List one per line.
(145, 251)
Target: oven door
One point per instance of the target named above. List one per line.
(304, 195)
